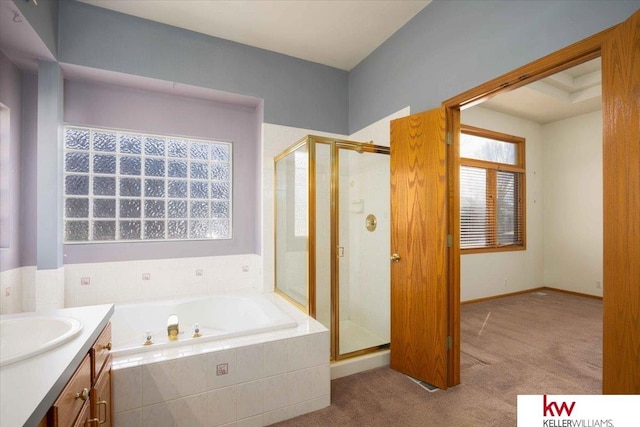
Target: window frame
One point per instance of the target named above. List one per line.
(492, 168)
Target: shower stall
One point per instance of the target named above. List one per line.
(332, 239)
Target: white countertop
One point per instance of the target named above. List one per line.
(28, 388)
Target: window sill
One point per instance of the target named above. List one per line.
(492, 250)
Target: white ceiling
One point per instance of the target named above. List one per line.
(338, 33)
(569, 93)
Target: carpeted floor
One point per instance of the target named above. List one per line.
(526, 344)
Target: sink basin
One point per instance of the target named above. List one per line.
(24, 337)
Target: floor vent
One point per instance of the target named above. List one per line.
(540, 294)
(430, 388)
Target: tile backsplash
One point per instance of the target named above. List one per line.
(137, 281)
(28, 289)
(11, 291)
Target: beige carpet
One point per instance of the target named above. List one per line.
(525, 344)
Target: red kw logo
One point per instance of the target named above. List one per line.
(547, 409)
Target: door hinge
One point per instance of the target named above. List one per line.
(449, 240)
(449, 342)
(449, 138)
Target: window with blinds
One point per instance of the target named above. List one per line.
(492, 174)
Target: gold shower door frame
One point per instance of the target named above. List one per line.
(335, 146)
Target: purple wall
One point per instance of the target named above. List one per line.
(10, 96)
(102, 105)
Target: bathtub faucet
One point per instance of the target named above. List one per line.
(172, 327)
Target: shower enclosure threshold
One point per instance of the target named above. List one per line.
(357, 364)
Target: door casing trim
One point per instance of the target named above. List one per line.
(572, 55)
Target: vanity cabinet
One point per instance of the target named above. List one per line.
(86, 399)
(101, 397)
(100, 352)
(74, 398)
(84, 419)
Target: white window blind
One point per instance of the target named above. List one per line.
(508, 210)
(491, 198)
(474, 212)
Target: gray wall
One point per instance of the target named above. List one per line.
(295, 92)
(110, 106)
(28, 167)
(452, 46)
(49, 166)
(10, 87)
(449, 47)
(258, 181)
(43, 18)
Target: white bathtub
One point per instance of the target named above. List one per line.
(219, 317)
(265, 377)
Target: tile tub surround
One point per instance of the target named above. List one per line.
(26, 289)
(270, 377)
(122, 282)
(11, 291)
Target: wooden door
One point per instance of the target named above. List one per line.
(621, 214)
(419, 281)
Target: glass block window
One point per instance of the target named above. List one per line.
(128, 186)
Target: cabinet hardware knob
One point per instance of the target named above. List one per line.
(395, 258)
(83, 395)
(108, 346)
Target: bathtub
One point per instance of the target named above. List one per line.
(260, 361)
(219, 317)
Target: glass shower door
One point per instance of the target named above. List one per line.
(363, 250)
(291, 225)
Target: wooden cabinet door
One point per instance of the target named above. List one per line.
(419, 306)
(100, 351)
(84, 419)
(101, 407)
(71, 401)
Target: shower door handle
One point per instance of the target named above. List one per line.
(395, 258)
